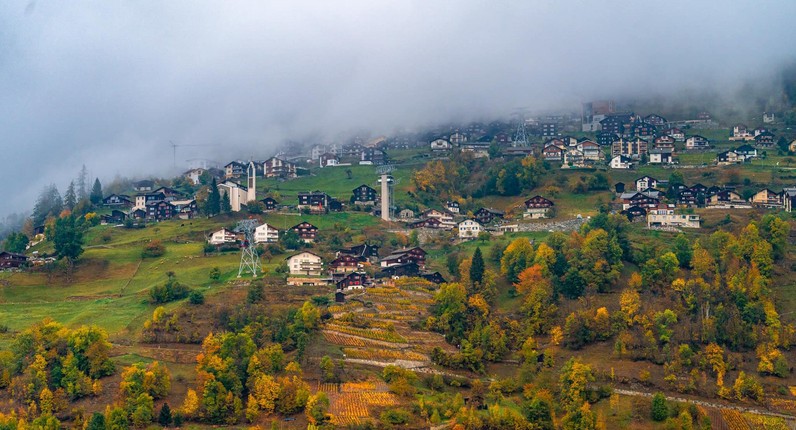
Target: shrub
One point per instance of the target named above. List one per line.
(196, 297)
(395, 416)
(170, 291)
(153, 249)
(215, 273)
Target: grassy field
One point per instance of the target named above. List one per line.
(335, 182)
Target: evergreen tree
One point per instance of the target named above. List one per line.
(226, 206)
(659, 410)
(96, 192)
(683, 251)
(70, 199)
(16, 242)
(68, 239)
(213, 204)
(477, 267)
(97, 422)
(49, 204)
(82, 185)
(164, 418)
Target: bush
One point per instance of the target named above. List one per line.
(196, 297)
(170, 291)
(153, 249)
(215, 273)
(395, 416)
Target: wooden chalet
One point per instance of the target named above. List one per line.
(407, 269)
(160, 210)
(118, 200)
(115, 217)
(362, 252)
(278, 168)
(766, 198)
(606, 138)
(726, 198)
(426, 223)
(728, 157)
(354, 280)
(635, 214)
(401, 256)
(487, 215)
(363, 194)
(235, 169)
(12, 260)
(537, 207)
(641, 199)
(344, 263)
(270, 203)
(306, 231)
(434, 277)
(144, 185)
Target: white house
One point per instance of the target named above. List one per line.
(305, 263)
(266, 234)
(697, 142)
(661, 156)
(645, 182)
(193, 175)
(621, 162)
(440, 144)
(665, 217)
(221, 237)
(469, 229)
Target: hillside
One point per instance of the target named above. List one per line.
(413, 353)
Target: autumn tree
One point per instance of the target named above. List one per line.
(517, 257)
(538, 305)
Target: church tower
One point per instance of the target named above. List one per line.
(251, 171)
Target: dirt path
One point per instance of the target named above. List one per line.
(135, 272)
(708, 404)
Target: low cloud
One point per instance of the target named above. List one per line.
(109, 84)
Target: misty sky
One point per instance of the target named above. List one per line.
(110, 83)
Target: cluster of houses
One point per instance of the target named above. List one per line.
(469, 228)
(149, 205)
(648, 203)
(347, 270)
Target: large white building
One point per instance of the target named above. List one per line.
(469, 229)
(305, 263)
(221, 237)
(238, 194)
(665, 217)
(266, 234)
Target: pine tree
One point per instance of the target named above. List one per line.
(68, 241)
(97, 422)
(49, 204)
(82, 186)
(213, 204)
(659, 409)
(164, 418)
(226, 206)
(477, 267)
(70, 199)
(96, 192)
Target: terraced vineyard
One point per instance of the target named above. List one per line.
(377, 327)
(351, 402)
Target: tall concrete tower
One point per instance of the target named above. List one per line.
(251, 171)
(386, 180)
